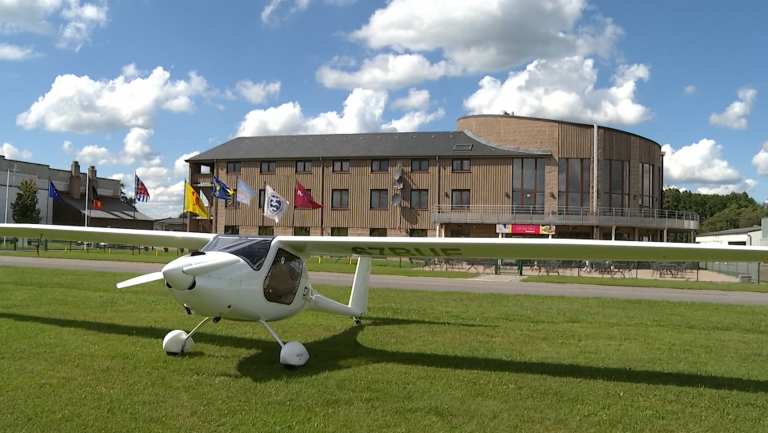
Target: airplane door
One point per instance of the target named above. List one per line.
(283, 279)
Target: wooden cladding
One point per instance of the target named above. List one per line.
(576, 141)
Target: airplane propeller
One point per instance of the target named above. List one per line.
(172, 268)
(209, 266)
(147, 278)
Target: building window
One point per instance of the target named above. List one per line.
(419, 165)
(262, 196)
(268, 166)
(378, 199)
(233, 167)
(379, 165)
(616, 184)
(341, 166)
(528, 185)
(573, 182)
(378, 232)
(340, 199)
(646, 185)
(461, 165)
(303, 166)
(417, 233)
(339, 231)
(266, 231)
(231, 230)
(460, 199)
(419, 199)
(301, 231)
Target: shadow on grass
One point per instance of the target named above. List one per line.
(343, 350)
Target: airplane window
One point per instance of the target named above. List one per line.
(282, 282)
(252, 250)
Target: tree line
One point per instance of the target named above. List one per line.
(717, 212)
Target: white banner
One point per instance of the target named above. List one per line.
(274, 204)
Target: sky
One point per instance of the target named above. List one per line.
(141, 85)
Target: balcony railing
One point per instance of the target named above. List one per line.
(578, 216)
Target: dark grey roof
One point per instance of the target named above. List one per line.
(377, 144)
(113, 208)
(739, 231)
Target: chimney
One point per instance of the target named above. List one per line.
(75, 182)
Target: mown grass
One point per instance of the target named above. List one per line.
(78, 354)
(642, 282)
(333, 264)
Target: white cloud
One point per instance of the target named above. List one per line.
(690, 89)
(181, 166)
(747, 185)
(564, 89)
(489, 35)
(257, 93)
(415, 100)
(76, 21)
(760, 160)
(363, 111)
(267, 14)
(80, 22)
(699, 163)
(385, 71)
(81, 104)
(135, 148)
(10, 152)
(15, 52)
(733, 116)
(131, 71)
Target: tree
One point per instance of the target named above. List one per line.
(24, 209)
(124, 197)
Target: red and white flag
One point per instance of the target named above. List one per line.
(303, 198)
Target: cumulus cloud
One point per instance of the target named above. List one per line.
(564, 89)
(760, 160)
(269, 11)
(76, 22)
(15, 52)
(84, 105)
(10, 152)
(415, 100)
(702, 164)
(363, 112)
(135, 149)
(385, 71)
(489, 35)
(257, 93)
(690, 89)
(734, 115)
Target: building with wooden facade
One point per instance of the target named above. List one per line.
(497, 175)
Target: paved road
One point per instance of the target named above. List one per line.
(486, 284)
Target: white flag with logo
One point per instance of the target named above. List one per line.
(274, 204)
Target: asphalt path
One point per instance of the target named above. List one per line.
(485, 284)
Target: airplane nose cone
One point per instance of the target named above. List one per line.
(175, 278)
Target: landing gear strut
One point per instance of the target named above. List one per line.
(293, 353)
(178, 342)
(357, 320)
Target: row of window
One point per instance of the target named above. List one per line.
(335, 231)
(342, 165)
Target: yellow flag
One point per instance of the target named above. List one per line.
(193, 202)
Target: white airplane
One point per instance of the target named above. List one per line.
(264, 278)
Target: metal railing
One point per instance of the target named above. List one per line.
(565, 215)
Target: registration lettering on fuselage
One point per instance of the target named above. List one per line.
(407, 251)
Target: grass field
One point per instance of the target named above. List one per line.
(334, 264)
(77, 354)
(643, 282)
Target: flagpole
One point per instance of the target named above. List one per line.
(184, 205)
(293, 214)
(264, 204)
(87, 189)
(134, 199)
(48, 208)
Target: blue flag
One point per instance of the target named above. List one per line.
(53, 192)
(245, 193)
(221, 190)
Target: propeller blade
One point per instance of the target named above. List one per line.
(209, 266)
(147, 278)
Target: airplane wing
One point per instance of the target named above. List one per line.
(521, 248)
(107, 235)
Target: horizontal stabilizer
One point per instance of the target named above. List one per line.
(147, 278)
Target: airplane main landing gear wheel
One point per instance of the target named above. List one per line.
(177, 342)
(292, 354)
(357, 320)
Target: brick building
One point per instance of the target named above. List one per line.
(496, 175)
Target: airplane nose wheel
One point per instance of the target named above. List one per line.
(178, 342)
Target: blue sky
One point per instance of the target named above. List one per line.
(141, 85)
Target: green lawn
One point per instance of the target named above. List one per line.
(334, 264)
(642, 282)
(78, 354)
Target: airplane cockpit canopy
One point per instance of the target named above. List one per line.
(251, 249)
